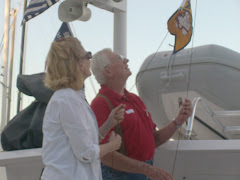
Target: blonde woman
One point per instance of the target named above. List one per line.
(71, 149)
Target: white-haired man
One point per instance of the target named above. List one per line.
(139, 133)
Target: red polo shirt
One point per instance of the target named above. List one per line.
(137, 126)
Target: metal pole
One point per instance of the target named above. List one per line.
(191, 118)
(21, 57)
(120, 32)
(11, 65)
(5, 62)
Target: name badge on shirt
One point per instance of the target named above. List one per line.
(146, 112)
(129, 111)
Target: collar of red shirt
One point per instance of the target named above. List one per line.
(112, 94)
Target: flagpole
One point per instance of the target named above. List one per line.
(5, 62)
(21, 57)
(11, 64)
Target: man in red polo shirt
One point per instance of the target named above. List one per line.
(138, 130)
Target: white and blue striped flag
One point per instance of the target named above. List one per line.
(37, 7)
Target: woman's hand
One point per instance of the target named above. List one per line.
(115, 141)
(116, 116)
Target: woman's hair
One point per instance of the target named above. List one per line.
(99, 61)
(62, 64)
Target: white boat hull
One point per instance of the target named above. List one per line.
(214, 76)
(195, 160)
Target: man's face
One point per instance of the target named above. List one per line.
(118, 66)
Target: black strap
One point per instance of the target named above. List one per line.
(41, 173)
(118, 128)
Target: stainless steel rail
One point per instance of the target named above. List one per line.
(215, 115)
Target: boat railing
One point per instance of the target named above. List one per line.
(215, 116)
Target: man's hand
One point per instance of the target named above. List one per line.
(155, 173)
(185, 112)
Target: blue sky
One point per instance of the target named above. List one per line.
(217, 22)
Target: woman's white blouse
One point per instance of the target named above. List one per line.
(70, 138)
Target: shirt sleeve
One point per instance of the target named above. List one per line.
(76, 125)
(102, 110)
